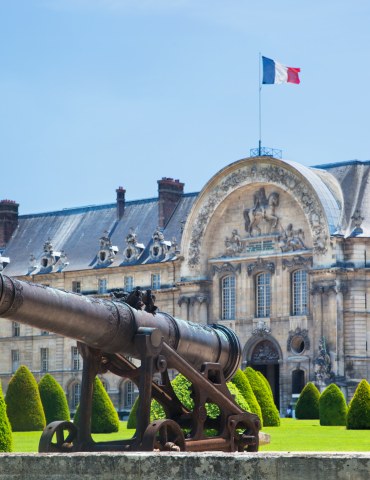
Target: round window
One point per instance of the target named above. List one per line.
(297, 344)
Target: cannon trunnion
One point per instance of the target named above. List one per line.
(107, 331)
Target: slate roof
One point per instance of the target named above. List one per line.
(77, 232)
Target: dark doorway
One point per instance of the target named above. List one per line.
(265, 359)
(297, 381)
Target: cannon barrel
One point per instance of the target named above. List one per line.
(111, 326)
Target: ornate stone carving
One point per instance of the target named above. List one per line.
(160, 247)
(292, 239)
(107, 251)
(322, 364)
(260, 265)
(50, 260)
(183, 299)
(357, 219)
(133, 249)
(263, 173)
(233, 244)
(265, 352)
(297, 261)
(262, 329)
(226, 268)
(295, 338)
(324, 288)
(263, 212)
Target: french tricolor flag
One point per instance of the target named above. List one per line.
(274, 72)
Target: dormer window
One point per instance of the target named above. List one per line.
(134, 249)
(107, 251)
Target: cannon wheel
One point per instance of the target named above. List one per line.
(163, 435)
(57, 431)
(244, 434)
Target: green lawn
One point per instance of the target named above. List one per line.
(308, 436)
(292, 436)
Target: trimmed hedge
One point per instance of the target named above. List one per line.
(182, 389)
(104, 418)
(270, 413)
(358, 417)
(23, 402)
(53, 399)
(307, 407)
(241, 381)
(6, 437)
(332, 406)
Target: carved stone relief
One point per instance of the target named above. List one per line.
(133, 249)
(260, 265)
(226, 268)
(263, 173)
(107, 251)
(297, 261)
(265, 352)
(298, 341)
(263, 213)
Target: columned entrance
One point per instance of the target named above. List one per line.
(265, 359)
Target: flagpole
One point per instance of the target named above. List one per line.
(259, 105)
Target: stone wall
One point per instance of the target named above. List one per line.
(185, 466)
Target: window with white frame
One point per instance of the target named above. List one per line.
(299, 292)
(102, 285)
(130, 394)
(228, 297)
(76, 359)
(44, 359)
(15, 360)
(76, 395)
(263, 295)
(128, 283)
(16, 329)
(156, 281)
(76, 287)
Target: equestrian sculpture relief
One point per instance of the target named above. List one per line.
(263, 212)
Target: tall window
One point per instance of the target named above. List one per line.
(76, 287)
(263, 295)
(102, 285)
(228, 298)
(44, 359)
(76, 395)
(15, 360)
(156, 281)
(128, 284)
(16, 329)
(299, 292)
(130, 393)
(76, 359)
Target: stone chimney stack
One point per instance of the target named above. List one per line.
(169, 193)
(120, 202)
(8, 220)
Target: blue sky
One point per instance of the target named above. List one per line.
(96, 94)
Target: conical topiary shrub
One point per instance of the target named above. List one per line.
(53, 399)
(241, 381)
(104, 418)
(23, 402)
(332, 406)
(307, 407)
(270, 413)
(6, 437)
(358, 417)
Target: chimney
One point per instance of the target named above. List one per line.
(120, 202)
(169, 193)
(8, 220)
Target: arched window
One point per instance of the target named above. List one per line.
(299, 292)
(263, 295)
(228, 298)
(76, 395)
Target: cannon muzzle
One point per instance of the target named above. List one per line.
(111, 326)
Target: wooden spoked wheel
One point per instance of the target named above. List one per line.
(58, 437)
(163, 435)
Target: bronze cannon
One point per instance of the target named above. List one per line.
(110, 330)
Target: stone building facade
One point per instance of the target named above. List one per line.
(273, 249)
